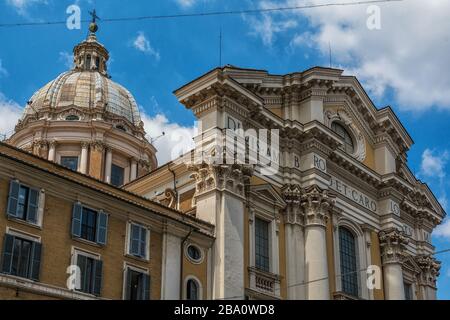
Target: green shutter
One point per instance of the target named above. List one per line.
(76, 219)
(97, 277)
(128, 284)
(102, 227)
(33, 206)
(145, 287)
(35, 264)
(13, 198)
(81, 263)
(8, 246)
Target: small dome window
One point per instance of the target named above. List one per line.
(121, 128)
(72, 117)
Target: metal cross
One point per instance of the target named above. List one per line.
(94, 16)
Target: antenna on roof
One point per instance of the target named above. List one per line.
(329, 47)
(220, 47)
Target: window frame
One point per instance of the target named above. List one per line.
(186, 281)
(346, 134)
(91, 255)
(98, 213)
(126, 268)
(197, 247)
(269, 243)
(40, 204)
(114, 165)
(356, 262)
(70, 157)
(128, 241)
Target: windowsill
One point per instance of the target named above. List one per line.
(137, 258)
(19, 278)
(91, 243)
(25, 223)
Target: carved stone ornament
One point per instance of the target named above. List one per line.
(168, 198)
(430, 268)
(222, 177)
(316, 204)
(340, 115)
(393, 243)
(293, 212)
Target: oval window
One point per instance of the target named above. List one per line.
(72, 118)
(121, 128)
(194, 253)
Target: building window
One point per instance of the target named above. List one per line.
(139, 236)
(89, 224)
(137, 285)
(117, 175)
(70, 163)
(408, 291)
(194, 253)
(72, 117)
(346, 138)
(88, 62)
(347, 252)
(192, 290)
(21, 257)
(262, 245)
(90, 274)
(23, 202)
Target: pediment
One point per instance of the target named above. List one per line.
(268, 193)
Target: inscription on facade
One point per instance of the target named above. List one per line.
(353, 194)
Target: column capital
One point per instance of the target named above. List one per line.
(85, 144)
(223, 177)
(317, 204)
(393, 242)
(430, 268)
(52, 143)
(98, 145)
(292, 196)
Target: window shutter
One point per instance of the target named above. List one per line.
(81, 263)
(143, 244)
(13, 198)
(102, 227)
(145, 287)
(76, 219)
(127, 284)
(97, 278)
(33, 206)
(135, 240)
(35, 265)
(8, 246)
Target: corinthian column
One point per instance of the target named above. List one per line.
(427, 279)
(108, 164)
(316, 204)
(393, 242)
(295, 242)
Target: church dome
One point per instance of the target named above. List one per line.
(86, 92)
(85, 121)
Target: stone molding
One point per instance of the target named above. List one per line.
(232, 178)
(430, 268)
(393, 245)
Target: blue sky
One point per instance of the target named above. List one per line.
(403, 64)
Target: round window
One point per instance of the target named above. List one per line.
(194, 253)
(72, 117)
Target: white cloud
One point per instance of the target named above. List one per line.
(409, 54)
(21, 6)
(443, 230)
(3, 71)
(186, 3)
(433, 165)
(11, 112)
(176, 141)
(142, 44)
(66, 58)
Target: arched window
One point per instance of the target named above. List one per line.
(88, 62)
(192, 290)
(345, 136)
(348, 257)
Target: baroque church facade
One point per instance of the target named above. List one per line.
(89, 214)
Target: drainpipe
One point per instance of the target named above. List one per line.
(181, 261)
(174, 183)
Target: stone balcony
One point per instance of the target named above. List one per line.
(265, 283)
